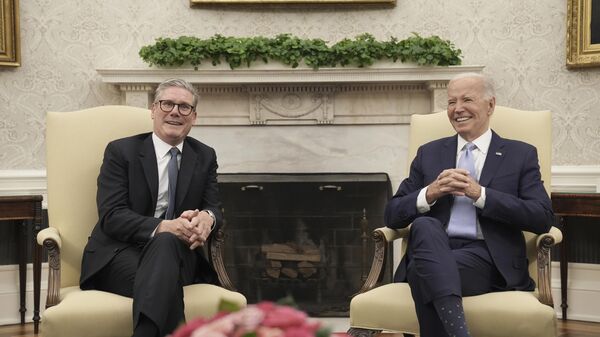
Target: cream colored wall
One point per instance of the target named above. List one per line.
(521, 43)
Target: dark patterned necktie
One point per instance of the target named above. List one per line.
(172, 170)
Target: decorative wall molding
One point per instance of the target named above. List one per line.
(386, 93)
(564, 179)
(23, 182)
(584, 178)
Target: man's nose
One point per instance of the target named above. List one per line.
(176, 106)
(458, 106)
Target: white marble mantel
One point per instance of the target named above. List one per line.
(269, 119)
(269, 94)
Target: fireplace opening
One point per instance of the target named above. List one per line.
(302, 235)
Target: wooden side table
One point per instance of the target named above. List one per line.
(569, 206)
(22, 208)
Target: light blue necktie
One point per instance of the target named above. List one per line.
(172, 170)
(463, 217)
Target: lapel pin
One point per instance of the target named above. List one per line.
(498, 153)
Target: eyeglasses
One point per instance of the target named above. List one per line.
(168, 106)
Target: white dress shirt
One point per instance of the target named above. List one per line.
(480, 153)
(161, 150)
(162, 159)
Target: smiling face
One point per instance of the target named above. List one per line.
(172, 127)
(469, 107)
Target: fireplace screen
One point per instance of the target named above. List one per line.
(302, 235)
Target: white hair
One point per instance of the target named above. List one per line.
(488, 85)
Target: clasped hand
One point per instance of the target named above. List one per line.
(192, 227)
(456, 182)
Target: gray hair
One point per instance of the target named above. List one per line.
(179, 83)
(488, 84)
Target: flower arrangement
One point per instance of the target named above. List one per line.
(265, 319)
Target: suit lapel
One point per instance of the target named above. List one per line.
(189, 160)
(150, 168)
(448, 160)
(494, 158)
(448, 154)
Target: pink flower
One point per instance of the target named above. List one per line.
(265, 319)
(284, 317)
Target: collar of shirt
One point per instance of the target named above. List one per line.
(482, 143)
(161, 148)
(480, 153)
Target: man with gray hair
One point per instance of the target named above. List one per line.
(468, 197)
(157, 204)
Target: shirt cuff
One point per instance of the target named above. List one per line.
(422, 205)
(212, 215)
(480, 202)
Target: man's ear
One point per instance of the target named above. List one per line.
(491, 106)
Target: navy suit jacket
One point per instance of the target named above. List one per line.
(127, 194)
(515, 201)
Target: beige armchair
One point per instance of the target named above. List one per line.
(75, 147)
(512, 313)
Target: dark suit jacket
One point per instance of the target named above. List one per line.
(515, 201)
(127, 193)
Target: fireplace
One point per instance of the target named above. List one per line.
(307, 236)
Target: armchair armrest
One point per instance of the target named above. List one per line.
(553, 234)
(544, 243)
(215, 253)
(382, 236)
(50, 239)
(391, 234)
(49, 233)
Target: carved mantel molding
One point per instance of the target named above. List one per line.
(276, 95)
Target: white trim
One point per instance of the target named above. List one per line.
(9, 293)
(568, 178)
(582, 178)
(380, 72)
(24, 182)
(583, 292)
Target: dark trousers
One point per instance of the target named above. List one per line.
(439, 266)
(154, 277)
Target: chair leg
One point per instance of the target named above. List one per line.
(358, 332)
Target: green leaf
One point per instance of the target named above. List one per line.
(288, 301)
(323, 332)
(228, 306)
(361, 51)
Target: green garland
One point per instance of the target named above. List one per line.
(291, 50)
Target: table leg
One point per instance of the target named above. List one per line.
(37, 276)
(564, 267)
(37, 269)
(22, 251)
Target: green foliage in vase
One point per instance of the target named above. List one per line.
(362, 51)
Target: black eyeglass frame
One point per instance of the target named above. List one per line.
(160, 105)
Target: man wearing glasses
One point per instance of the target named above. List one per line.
(157, 203)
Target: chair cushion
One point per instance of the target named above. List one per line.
(511, 313)
(93, 313)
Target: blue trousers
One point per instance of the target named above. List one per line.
(439, 266)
